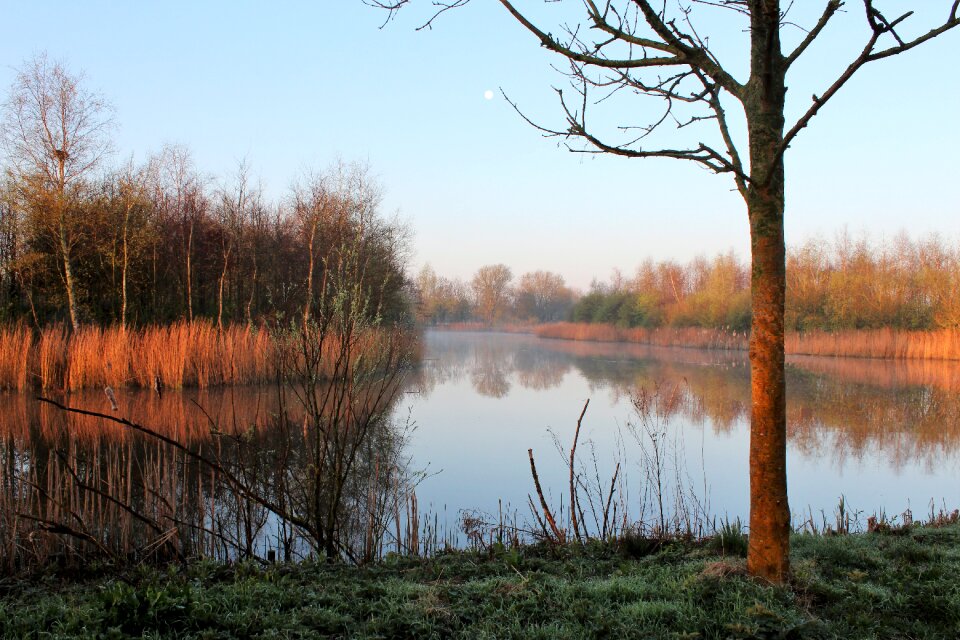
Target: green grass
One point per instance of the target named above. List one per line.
(901, 584)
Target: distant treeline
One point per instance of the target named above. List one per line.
(839, 285)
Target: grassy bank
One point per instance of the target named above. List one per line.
(893, 584)
(943, 344)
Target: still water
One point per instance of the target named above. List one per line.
(884, 435)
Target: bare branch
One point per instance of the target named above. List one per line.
(551, 43)
(879, 27)
(577, 128)
(693, 55)
(828, 12)
(681, 52)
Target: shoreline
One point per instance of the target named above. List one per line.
(876, 344)
(892, 582)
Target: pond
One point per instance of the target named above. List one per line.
(667, 428)
(883, 435)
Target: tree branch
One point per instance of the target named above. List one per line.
(879, 26)
(682, 53)
(828, 12)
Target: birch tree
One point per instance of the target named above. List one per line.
(55, 133)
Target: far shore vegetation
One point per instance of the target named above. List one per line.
(840, 286)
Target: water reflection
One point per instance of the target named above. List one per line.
(237, 472)
(884, 434)
(837, 407)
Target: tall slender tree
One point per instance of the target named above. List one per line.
(640, 48)
(55, 132)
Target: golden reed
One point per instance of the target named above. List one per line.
(183, 354)
(941, 344)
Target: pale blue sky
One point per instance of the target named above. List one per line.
(294, 85)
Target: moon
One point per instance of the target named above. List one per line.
(488, 95)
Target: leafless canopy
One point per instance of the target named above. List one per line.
(641, 47)
(52, 125)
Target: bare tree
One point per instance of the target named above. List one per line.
(55, 133)
(543, 296)
(178, 193)
(313, 204)
(131, 206)
(639, 48)
(491, 288)
(232, 212)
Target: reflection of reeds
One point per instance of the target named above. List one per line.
(895, 374)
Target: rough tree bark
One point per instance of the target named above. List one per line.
(764, 97)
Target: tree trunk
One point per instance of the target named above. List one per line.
(223, 278)
(769, 549)
(768, 554)
(123, 273)
(253, 293)
(68, 278)
(189, 275)
(309, 297)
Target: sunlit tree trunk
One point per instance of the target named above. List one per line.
(253, 292)
(768, 554)
(223, 279)
(68, 278)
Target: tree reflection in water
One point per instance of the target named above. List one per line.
(909, 410)
(902, 414)
(74, 487)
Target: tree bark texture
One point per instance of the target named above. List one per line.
(68, 280)
(768, 554)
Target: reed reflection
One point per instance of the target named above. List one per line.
(840, 408)
(73, 487)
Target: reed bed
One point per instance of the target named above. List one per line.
(505, 327)
(15, 345)
(942, 344)
(696, 337)
(51, 359)
(184, 354)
